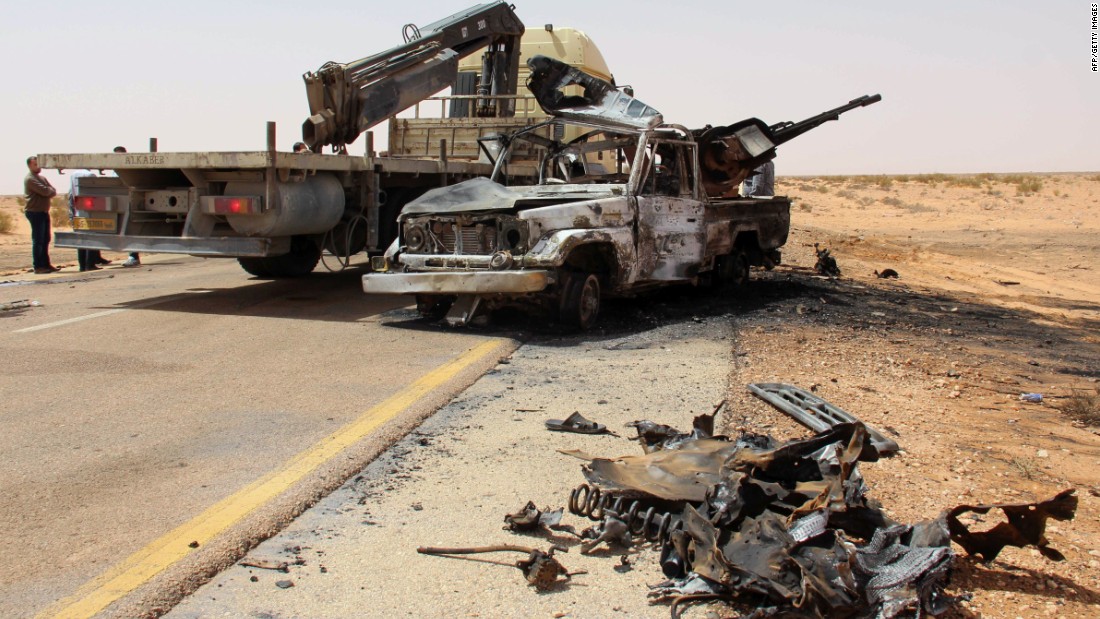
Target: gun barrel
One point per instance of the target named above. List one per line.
(786, 131)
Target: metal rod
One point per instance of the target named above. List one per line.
(443, 160)
(269, 175)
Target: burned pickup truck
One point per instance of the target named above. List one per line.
(623, 203)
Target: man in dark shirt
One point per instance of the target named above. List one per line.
(38, 192)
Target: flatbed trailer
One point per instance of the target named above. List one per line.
(274, 210)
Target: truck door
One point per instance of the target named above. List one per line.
(671, 237)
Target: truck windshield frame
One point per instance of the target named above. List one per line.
(578, 153)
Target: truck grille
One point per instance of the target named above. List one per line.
(470, 236)
(471, 241)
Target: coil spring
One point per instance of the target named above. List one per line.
(592, 503)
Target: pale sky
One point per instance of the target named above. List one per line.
(1002, 86)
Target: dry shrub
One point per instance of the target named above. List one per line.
(972, 182)
(1028, 186)
(1026, 467)
(59, 215)
(917, 207)
(844, 193)
(881, 181)
(7, 222)
(1084, 407)
(930, 179)
(21, 201)
(892, 201)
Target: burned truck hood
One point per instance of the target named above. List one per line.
(601, 102)
(482, 194)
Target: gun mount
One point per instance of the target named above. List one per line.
(729, 154)
(347, 99)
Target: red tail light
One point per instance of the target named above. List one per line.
(92, 203)
(240, 205)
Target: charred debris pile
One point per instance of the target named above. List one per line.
(785, 529)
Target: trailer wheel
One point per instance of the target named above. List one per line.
(580, 300)
(301, 260)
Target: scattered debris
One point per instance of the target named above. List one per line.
(532, 519)
(1006, 283)
(20, 304)
(815, 413)
(624, 565)
(193, 544)
(576, 423)
(1025, 527)
(657, 436)
(1034, 398)
(887, 274)
(284, 584)
(540, 568)
(787, 527)
(826, 264)
(279, 566)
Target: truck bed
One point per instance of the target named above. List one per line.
(727, 218)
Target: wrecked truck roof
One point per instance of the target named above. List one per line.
(601, 101)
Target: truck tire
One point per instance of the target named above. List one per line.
(732, 270)
(580, 300)
(301, 260)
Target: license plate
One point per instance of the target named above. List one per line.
(97, 224)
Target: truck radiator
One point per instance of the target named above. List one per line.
(474, 240)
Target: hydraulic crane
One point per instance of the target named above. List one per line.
(347, 99)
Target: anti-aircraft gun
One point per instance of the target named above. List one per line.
(729, 154)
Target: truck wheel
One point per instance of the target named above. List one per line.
(580, 301)
(732, 270)
(255, 266)
(434, 307)
(301, 260)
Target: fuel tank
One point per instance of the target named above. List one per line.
(312, 206)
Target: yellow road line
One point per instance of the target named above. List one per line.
(173, 546)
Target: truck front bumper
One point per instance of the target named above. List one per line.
(460, 282)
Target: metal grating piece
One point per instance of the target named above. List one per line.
(814, 412)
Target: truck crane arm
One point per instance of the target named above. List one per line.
(347, 99)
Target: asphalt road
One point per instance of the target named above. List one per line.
(132, 400)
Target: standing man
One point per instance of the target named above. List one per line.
(37, 192)
(135, 258)
(761, 183)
